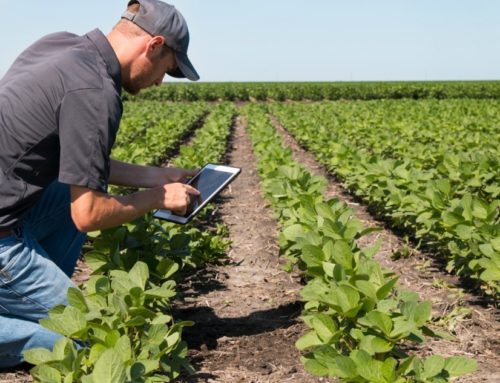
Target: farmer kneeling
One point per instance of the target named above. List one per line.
(60, 108)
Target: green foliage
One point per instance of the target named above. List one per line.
(121, 323)
(430, 167)
(321, 91)
(145, 123)
(358, 318)
(209, 142)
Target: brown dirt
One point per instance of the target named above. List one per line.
(476, 332)
(246, 312)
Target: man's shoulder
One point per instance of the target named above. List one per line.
(75, 59)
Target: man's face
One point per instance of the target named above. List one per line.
(150, 68)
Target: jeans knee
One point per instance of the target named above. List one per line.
(17, 336)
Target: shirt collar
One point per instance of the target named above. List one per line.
(108, 54)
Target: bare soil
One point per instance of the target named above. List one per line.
(474, 324)
(247, 311)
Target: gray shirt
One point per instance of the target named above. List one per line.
(60, 108)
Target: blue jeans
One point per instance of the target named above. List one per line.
(36, 264)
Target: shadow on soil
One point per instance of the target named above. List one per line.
(209, 327)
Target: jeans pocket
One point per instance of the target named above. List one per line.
(8, 259)
(11, 248)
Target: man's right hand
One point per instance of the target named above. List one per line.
(176, 197)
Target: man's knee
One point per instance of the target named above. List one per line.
(17, 336)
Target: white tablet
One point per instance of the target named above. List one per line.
(209, 182)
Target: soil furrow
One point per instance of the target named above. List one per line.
(247, 311)
(475, 326)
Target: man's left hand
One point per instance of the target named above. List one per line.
(178, 174)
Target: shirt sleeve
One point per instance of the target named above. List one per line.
(85, 138)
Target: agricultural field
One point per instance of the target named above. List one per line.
(361, 243)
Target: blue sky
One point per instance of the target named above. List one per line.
(289, 40)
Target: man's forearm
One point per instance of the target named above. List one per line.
(96, 211)
(92, 210)
(137, 176)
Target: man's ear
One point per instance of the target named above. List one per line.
(156, 42)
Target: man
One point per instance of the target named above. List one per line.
(60, 108)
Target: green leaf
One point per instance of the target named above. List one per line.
(76, 299)
(64, 348)
(96, 351)
(345, 367)
(139, 274)
(148, 365)
(46, 374)
(109, 368)
(373, 344)
(451, 219)
(487, 249)
(124, 348)
(433, 366)
(380, 320)
(367, 288)
(292, 232)
(495, 242)
(157, 334)
(402, 328)
(70, 378)
(324, 327)
(312, 256)
(490, 274)
(370, 251)
(422, 313)
(96, 260)
(167, 267)
(70, 322)
(136, 321)
(160, 292)
(372, 371)
(386, 289)
(459, 365)
(342, 254)
(464, 231)
(479, 209)
(37, 356)
(161, 319)
(466, 204)
(389, 369)
(310, 339)
(111, 338)
(173, 339)
(346, 298)
(315, 368)
(329, 269)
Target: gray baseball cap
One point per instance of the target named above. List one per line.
(162, 19)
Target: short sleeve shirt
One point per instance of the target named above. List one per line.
(60, 108)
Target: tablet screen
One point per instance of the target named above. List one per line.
(207, 182)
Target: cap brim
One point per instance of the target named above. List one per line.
(177, 73)
(184, 68)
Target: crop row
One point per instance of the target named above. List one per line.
(429, 167)
(118, 326)
(359, 318)
(147, 123)
(282, 91)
